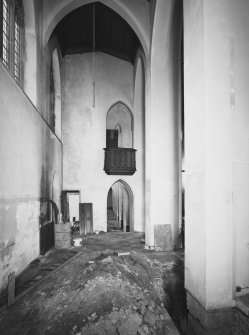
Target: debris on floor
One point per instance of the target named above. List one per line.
(98, 292)
(122, 253)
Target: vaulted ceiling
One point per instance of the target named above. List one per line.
(97, 27)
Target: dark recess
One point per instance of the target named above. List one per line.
(113, 35)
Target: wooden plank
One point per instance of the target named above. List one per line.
(121, 253)
(86, 218)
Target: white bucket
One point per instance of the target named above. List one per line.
(77, 241)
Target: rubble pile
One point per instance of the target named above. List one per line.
(142, 317)
(103, 294)
(125, 287)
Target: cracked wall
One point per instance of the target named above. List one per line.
(29, 156)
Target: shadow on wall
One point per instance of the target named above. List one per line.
(48, 216)
(175, 295)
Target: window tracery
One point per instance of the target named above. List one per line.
(12, 37)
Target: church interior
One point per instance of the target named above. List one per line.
(123, 116)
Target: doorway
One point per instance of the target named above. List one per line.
(70, 206)
(120, 207)
(86, 218)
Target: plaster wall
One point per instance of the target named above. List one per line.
(84, 130)
(218, 156)
(217, 151)
(233, 50)
(29, 156)
(195, 261)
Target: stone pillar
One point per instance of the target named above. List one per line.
(163, 136)
(139, 143)
(216, 128)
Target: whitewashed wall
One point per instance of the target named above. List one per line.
(84, 131)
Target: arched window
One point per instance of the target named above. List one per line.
(55, 93)
(120, 158)
(119, 126)
(12, 37)
(52, 96)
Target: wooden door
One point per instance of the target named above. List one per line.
(111, 138)
(86, 218)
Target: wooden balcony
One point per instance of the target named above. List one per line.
(120, 161)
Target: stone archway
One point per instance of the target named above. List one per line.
(120, 207)
(130, 15)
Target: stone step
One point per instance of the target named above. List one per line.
(242, 304)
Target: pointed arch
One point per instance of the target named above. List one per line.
(118, 127)
(122, 212)
(140, 28)
(128, 109)
(120, 114)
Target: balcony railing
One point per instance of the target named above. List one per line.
(120, 161)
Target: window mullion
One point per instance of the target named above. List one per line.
(20, 55)
(1, 29)
(12, 37)
(5, 46)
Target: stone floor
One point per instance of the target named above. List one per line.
(90, 289)
(39, 270)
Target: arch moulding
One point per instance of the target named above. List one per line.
(131, 199)
(62, 8)
(128, 109)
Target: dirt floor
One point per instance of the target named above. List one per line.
(92, 289)
(101, 292)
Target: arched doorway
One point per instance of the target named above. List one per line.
(120, 207)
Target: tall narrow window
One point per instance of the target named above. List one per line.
(52, 97)
(18, 41)
(6, 33)
(12, 37)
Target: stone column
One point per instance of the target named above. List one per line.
(164, 133)
(216, 56)
(139, 143)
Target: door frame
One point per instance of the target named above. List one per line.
(131, 204)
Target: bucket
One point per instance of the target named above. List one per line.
(63, 235)
(77, 241)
